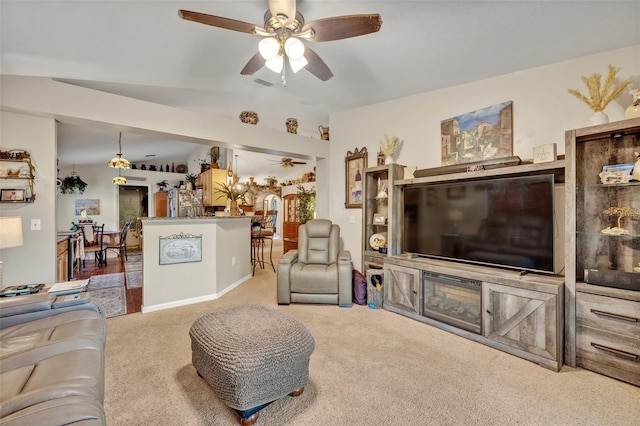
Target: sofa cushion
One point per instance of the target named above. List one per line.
(64, 326)
(51, 371)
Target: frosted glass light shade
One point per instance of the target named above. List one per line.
(294, 48)
(10, 232)
(298, 64)
(268, 48)
(275, 64)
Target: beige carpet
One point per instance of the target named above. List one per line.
(370, 367)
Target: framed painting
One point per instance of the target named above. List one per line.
(91, 206)
(355, 163)
(180, 248)
(479, 135)
(12, 195)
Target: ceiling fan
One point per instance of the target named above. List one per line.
(283, 28)
(288, 162)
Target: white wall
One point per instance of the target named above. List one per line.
(34, 261)
(542, 112)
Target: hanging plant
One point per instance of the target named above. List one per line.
(72, 184)
(306, 204)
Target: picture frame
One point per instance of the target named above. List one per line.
(379, 219)
(180, 248)
(11, 194)
(91, 206)
(355, 163)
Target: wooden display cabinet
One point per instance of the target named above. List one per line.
(382, 214)
(291, 223)
(211, 194)
(160, 203)
(603, 321)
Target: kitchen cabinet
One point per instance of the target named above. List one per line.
(211, 194)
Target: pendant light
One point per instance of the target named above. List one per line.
(119, 180)
(118, 161)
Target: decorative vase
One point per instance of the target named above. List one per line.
(633, 110)
(233, 208)
(324, 133)
(599, 118)
(292, 125)
(249, 117)
(388, 160)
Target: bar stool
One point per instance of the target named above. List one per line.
(259, 237)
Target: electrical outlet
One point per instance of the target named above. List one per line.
(35, 224)
(233, 260)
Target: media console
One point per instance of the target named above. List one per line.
(521, 314)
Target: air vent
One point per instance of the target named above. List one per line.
(263, 82)
(136, 178)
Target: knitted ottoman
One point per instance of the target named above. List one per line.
(251, 355)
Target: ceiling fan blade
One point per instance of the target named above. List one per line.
(285, 10)
(316, 65)
(254, 64)
(218, 21)
(340, 27)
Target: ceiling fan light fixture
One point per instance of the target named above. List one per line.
(269, 48)
(275, 64)
(298, 64)
(294, 48)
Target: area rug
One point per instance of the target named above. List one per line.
(133, 271)
(109, 289)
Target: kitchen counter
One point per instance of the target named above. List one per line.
(193, 259)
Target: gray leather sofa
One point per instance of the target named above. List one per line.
(51, 360)
(318, 271)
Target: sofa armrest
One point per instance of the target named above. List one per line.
(18, 305)
(283, 276)
(345, 279)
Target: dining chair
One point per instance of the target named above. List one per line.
(121, 245)
(97, 246)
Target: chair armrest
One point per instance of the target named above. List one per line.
(284, 280)
(345, 279)
(18, 305)
(289, 257)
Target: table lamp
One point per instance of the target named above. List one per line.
(10, 236)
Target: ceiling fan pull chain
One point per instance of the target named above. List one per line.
(282, 76)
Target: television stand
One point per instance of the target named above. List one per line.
(518, 314)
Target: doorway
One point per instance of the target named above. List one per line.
(133, 204)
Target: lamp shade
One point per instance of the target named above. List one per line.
(298, 64)
(268, 48)
(10, 232)
(294, 48)
(275, 64)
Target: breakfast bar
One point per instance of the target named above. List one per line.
(190, 260)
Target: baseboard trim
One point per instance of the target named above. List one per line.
(190, 301)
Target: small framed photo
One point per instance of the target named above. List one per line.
(12, 195)
(379, 219)
(355, 163)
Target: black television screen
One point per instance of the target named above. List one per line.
(507, 222)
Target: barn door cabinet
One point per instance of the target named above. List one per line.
(402, 288)
(524, 322)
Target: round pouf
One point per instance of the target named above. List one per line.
(251, 355)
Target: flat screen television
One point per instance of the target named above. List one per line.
(504, 222)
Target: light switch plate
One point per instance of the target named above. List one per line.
(35, 224)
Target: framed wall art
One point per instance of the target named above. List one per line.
(479, 135)
(355, 163)
(12, 195)
(91, 206)
(180, 248)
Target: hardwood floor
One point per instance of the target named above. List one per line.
(114, 265)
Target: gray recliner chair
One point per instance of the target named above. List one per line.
(317, 272)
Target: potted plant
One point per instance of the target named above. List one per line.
(306, 203)
(271, 180)
(234, 193)
(191, 179)
(72, 184)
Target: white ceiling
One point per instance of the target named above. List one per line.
(142, 49)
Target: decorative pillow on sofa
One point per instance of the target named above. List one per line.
(359, 288)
